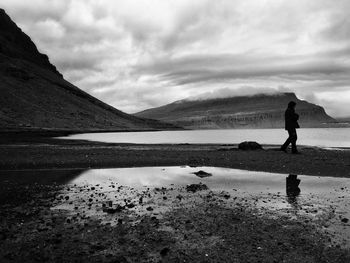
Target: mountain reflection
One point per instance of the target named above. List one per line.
(18, 187)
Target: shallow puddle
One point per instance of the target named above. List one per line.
(111, 194)
(220, 179)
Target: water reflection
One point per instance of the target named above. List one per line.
(93, 192)
(266, 188)
(41, 176)
(292, 190)
(19, 187)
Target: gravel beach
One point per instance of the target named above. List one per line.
(61, 222)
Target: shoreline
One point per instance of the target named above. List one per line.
(50, 153)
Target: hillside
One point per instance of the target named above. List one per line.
(344, 119)
(35, 96)
(258, 111)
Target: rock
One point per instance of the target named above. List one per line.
(56, 241)
(163, 189)
(3, 236)
(249, 146)
(226, 196)
(164, 251)
(196, 187)
(345, 220)
(202, 174)
(130, 205)
(111, 210)
(18, 73)
(223, 194)
(97, 247)
(120, 259)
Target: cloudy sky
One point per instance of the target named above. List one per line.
(137, 54)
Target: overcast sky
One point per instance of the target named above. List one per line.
(137, 54)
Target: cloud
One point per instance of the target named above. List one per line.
(241, 91)
(28, 12)
(136, 54)
(334, 99)
(225, 67)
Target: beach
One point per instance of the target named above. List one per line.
(55, 153)
(159, 131)
(115, 223)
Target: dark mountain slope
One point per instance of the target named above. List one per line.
(34, 95)
(258, 111)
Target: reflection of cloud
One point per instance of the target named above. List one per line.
(136, 54)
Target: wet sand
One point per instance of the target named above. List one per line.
(116, 223)
(54, 222)
(47, 153)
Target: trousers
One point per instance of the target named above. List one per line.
(291, 139)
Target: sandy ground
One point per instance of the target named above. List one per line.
(73, 223)
(91, 223)
(47, 153)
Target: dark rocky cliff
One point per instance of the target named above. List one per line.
(258, 111)
(16, 44)
(35, 96)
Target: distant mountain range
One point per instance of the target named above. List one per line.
(344, 120)
(257, 111)
(34, 95)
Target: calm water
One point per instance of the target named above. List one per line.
(221, 179)
(321, 199)
(331, 191)
(325, 137)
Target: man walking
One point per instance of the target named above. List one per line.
(291, 124)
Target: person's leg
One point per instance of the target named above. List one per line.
(287, 142)
(294, 138)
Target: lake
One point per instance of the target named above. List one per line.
(320, 137)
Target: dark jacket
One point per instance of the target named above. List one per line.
(291, 119)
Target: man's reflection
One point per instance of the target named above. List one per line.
(292, 189)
